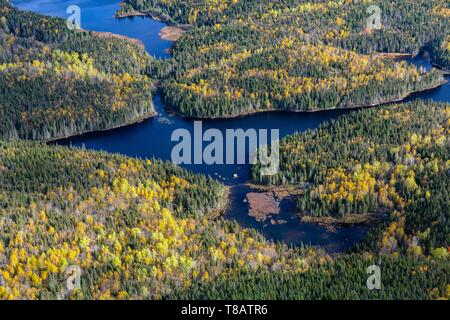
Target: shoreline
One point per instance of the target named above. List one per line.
(395, 55)
(130, 15)
(249, 114)
(349, 220)
(279, 193)
(137, 120)
(351, 108)
(445, 72)
(157, 17)
(282, 192)
(104, 34)
(171, 24)
(223, 206)
(173, 36)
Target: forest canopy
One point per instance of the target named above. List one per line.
(246, 56)
(56, 82)
(390, 162)
(147, 229)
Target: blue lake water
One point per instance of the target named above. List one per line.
(152, 138)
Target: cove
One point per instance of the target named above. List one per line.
(152, 138)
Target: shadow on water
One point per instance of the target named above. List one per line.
(152, 138)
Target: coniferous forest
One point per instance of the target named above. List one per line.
(241, 57)
(56, 82)
(147, 229)
(137, 228)
(386, 161)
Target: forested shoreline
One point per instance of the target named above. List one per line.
(136, 228)
(391, 161)
(440, 54)
(56, 82)
(230, 76)
(140, 229)
(243, 57)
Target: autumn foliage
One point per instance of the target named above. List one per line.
(56, 82)
(242, 57)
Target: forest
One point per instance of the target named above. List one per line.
(342, 278)
(390, 162)
(137, 228)
(143, 229)
(56, 82)
(245, 56)
(440, 53)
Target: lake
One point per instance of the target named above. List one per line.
(152, 138)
